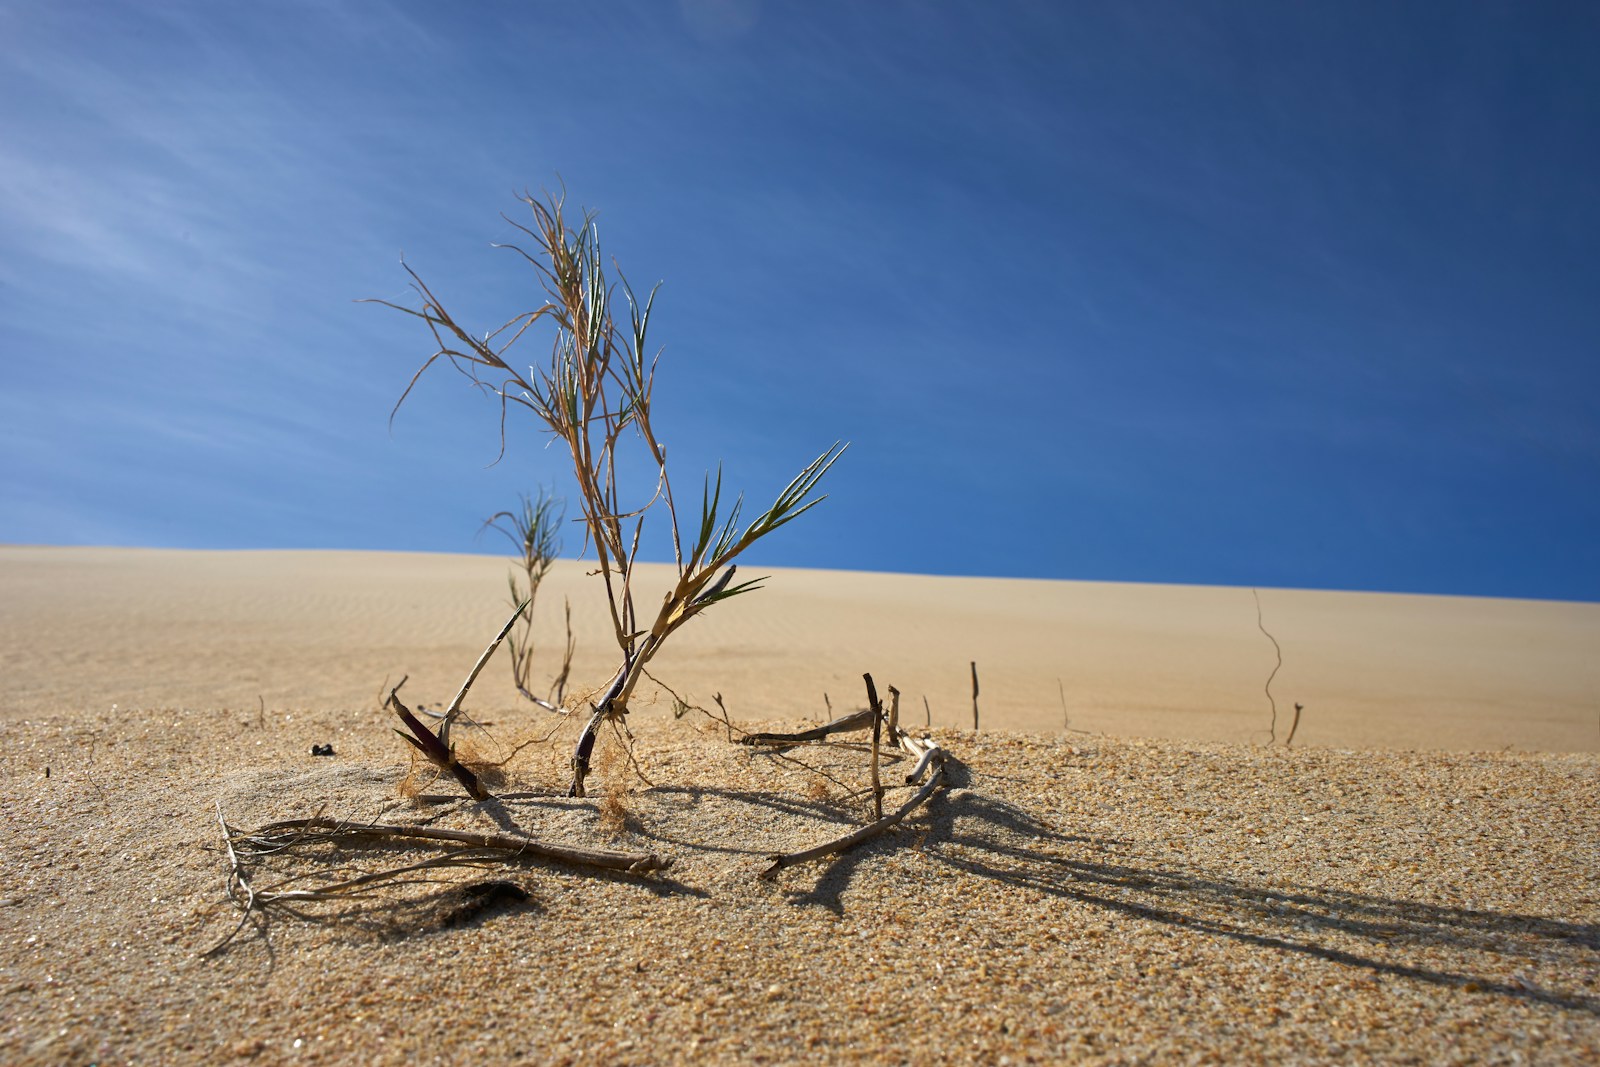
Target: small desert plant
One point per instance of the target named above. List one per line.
(594, 393)
(533, 529)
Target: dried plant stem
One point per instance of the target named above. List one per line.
(844, 724)
(922, 765)
(726, 721)
(240, 890)
(1273, 728)
(434, 750)
(533, 529)
(539, 701)
(558, 688)
(682, 707)
(464, 848)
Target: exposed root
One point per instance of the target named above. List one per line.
(459, 848)
(275, 836)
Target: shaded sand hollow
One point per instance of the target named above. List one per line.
(1123, 869)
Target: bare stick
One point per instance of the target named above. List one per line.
(974, 696)
(894, 712)
(539, 701)
(681, 707)
(877, 734)
(1274, 727)
(1288, 742)
(1066, 717)
(927, 712)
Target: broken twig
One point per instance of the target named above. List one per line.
(974, 696)
(844, 724)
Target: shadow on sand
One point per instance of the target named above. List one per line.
(986, 837)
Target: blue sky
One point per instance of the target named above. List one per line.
(1255, 294)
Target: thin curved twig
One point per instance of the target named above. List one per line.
(1273, 736)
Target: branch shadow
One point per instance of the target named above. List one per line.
(819, 812)
(997, 840)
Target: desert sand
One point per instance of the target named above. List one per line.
(1128, 864)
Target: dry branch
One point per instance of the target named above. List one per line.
(928, 757)
(477, 668)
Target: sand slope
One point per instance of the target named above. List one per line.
(1073, 897)
(88, 628)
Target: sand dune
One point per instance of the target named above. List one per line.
(1155, 884)
(89, 628)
